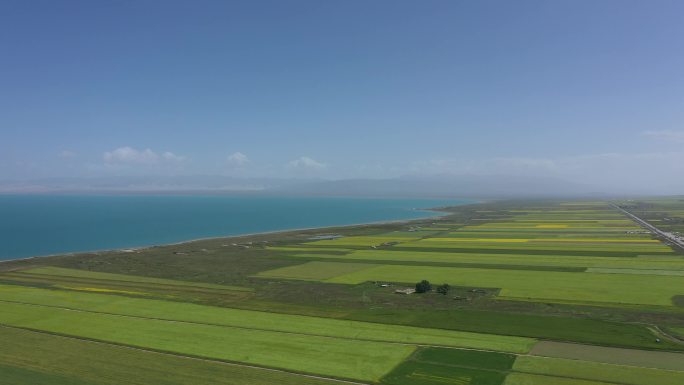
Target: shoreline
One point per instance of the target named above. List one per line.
(436, 210)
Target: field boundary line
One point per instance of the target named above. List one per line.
(179, 355)
(552, 376)
(513, 370)
(669, 336)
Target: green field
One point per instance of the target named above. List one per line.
(432, 366)
(679, 331)
(630, 375)
(536, 234)
(651, 271)
(536, 379)
(245, 319)
(337, 357)
(601, 354)
(315, 270)
(366, 241)
(518, 284)
(449, 243)
(106, 277)
(646, 263)
(451, 366)
(578, 329)
(42, 359)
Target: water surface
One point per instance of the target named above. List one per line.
(32, 225)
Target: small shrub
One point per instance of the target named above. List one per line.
(443, 289)
(423, 286)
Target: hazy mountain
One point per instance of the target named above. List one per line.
(445, 186)
(418, 186)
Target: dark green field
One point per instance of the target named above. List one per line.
(433, 366)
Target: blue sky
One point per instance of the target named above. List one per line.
(591, 91)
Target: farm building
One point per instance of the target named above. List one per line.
(405, 291)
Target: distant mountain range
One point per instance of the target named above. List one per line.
(485, 186)
(444, 186)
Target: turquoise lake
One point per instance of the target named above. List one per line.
(34, 225)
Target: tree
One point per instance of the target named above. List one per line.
(423, 286)
(443, 289)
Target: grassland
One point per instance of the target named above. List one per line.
(602, 354)
(458, 243)
(336, 357)
(595, 371)
(267, 321)
(545, 292)
(646, 263)
(616, 268)
(517, 284)
(37, 358)
(430, 366)
(363, 241)
(557, 328)
(316, 270)
(107, 277)
(536, 379)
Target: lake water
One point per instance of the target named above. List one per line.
(32, 225)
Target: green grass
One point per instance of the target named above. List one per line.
(535, 285)
(20, 376)
(657, 263)
(586, 370)
(467, 358)
(62, 272)
(369, 240)
(532, 234)
(33, 358)
(409, 234)
(309, 249)
(146, 290)
(536, 379)
(629, 357)
(559, 252)
(585, 330)
(424, 373)
(565, 232)
(649, 271)
(355, 359)
(315, 271)
(247, 319)
(569, 242)
(679, 331)
(548, 247)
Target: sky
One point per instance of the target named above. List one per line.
(591, 91)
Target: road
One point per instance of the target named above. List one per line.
(669, 237)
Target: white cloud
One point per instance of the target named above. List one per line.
(307, 163)
(66, 154)
(171, 157)
(238, 159)
(666, 135)
(129, 155)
